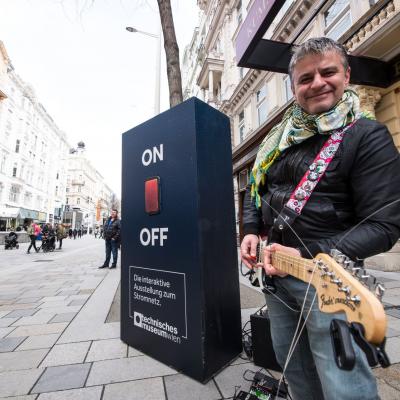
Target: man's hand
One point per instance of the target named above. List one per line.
(248, 250)
(268, 250)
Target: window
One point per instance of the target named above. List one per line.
(262, 105)
(56, 193)
(78, 201)
(288, 88)
(241, 73)
(239, 13)
(14, 173)
(337, 19)
(14, 193)
(241, 126)
(17, 146)
(3, 162)
(79, 188)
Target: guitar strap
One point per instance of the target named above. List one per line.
(298, 199)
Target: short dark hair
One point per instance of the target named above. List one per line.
(114, 209)
(317, 46)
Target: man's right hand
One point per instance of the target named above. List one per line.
(248, 250)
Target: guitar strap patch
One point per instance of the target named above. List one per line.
(298, 199)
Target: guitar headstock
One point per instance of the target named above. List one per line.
(344, 287)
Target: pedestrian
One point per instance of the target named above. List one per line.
(79, 233)
(60, 233)
(353, 208)
(30, 230)
(75, 232)
(70, 233)
(112, 238)
(96, 232)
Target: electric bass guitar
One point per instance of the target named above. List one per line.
(341, 286)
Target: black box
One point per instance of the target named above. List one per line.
(263, 352)
(180, 301)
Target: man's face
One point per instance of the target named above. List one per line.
(319, 81)
(114, 214)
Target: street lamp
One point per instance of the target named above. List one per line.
(158, 65)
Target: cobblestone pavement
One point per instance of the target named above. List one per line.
(55, 344)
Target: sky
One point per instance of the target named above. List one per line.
(95, 79)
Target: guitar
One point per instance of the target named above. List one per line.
(340, 286)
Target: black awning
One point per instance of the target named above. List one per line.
(252, 51)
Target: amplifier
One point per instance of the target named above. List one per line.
(263, 352)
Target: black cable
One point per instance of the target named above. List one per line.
(244, 373)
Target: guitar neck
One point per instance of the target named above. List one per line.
(300, 268)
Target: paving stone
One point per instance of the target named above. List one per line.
(77, 302)
(132, 352)
(28, 300)
(53, 298)
(86, 291)
(66, 317)
(22, 306)
(92, 393)
(146, 389)
(394, 313)
(64, 354)
(18, 383)
(9, 344)
(32, 330)
(4, 313)
(126, 369)
(233, 376)
(22, 313)
(54, 304)
(387, 392)
(28, 397)
(106, 350)
(392, 332)
(68, 292)
(393, 349)
(5, 331)
(178, 386)
(39, 342)
(39, 318)
(5, 322)
(62, 378)
(16, 360)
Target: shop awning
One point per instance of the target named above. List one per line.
(9, 212)
(31, 214)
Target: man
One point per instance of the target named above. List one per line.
(353, 208)
(112, 237)
(30, 230)
(60, 233)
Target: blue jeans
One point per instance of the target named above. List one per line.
(312, 372)
(111, 247)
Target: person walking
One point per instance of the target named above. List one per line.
(79, 233)
(70, 233)
(30, 230)
(75, 232)
(60, 233)
(112, 238)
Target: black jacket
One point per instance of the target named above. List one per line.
(113, 230)
(356, 205)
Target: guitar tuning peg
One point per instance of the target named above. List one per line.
(379, 290)
(355, 271)
(348, 264)
(334, 253)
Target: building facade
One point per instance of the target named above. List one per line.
(33, 153)
(255, 100)
(89, 199)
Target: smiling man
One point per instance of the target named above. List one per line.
(326, 177)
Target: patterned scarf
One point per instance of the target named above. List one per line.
(297, 126)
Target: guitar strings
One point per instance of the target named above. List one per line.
(295, 338)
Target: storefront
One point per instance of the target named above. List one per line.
(8, 218)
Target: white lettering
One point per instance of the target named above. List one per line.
(149, 156)
(146, 241)
(163, 235)
(146, 157)
(154, 235)
(159, 153)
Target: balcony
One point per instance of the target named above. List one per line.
(78, 182)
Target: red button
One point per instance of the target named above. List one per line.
(152, 195)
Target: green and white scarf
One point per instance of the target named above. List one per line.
(297, 126)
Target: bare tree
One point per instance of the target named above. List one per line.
(171, 53)
(170, 46)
